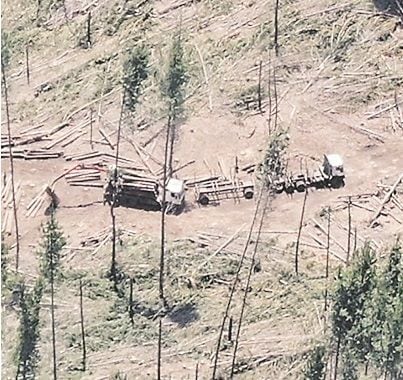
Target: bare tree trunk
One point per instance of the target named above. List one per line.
(327, 256)
(84, 359)
(91, 128)
(171, 147)
(131, 311)
(217, 351)
(38, 10)
(336, 364)
(276, 47)
(89, 30)
(114, 195)
(27, 62)
(349, 230)
(197, 371)
(52, 309)
(113, 261)
(245, 295)
(259, 89)
(159, 350)
(17, 235)
(163, 208)
(275, 97)
(270, 100)
(328, 243)
(119, 132)
(299, 231)
(230, 329)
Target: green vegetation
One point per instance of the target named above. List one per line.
(5, 49)
(52, 243)
(274, 160)
(367, 317)
(175, 78)
(27, 353)
(135, 72)
(316, 365)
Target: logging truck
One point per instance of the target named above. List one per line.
(129, 189)
(330, 174)
(217, 190)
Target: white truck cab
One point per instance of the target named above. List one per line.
(333, 165)
(174, 192)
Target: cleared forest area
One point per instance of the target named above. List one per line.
(223, 90)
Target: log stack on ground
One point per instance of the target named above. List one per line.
(31, 154)
(85, 177)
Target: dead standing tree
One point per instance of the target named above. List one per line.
(113, 270)
(135, 70)
(276, 7)
(4, 80)
(84, 359)
(268, 197)
(301, 223)
(172, 89)
(234, 284)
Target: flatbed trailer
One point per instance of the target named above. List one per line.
(215, 191)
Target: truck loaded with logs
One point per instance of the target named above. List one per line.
(127, 188)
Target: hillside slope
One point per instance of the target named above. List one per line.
(339, 77)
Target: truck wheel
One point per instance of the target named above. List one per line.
(289, 189)
(337, 182)
(279, 189)
(300, 187)
(248, 193)
(203, 200)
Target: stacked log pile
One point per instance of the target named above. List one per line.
(132, 188)
(31, 154)
(32, 135)
(84, 177)
(104, 158)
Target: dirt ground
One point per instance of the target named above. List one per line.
(208, 138)
(317, 122)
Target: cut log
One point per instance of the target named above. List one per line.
(385, 200)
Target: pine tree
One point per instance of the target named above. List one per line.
(135, 72)
(316, 365)
(354, 290)
(176, 78)
(349, 371)
(5, 48)
(27, 353)
(273, 163)
(388, 348)
(173, 89)
(52, 244)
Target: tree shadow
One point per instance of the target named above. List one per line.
(391, 7)
(183, 315)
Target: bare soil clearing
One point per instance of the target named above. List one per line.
(324, 109)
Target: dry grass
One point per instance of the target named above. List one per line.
(348, 55)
